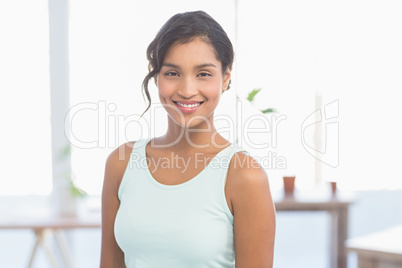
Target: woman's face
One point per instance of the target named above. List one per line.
(191, 82)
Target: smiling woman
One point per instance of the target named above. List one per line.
(200, 215)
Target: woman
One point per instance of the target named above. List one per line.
(198, 201)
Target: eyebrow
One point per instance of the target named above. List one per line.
(166, 64)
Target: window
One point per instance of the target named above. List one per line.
(25, 98)
(347, 51)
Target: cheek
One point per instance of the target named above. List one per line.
(213, 90)
(165, 88)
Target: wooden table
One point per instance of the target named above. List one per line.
(337, 207)
(36, 215)
(378, 250)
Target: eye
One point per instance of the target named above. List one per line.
(203, 74)
(171, 74)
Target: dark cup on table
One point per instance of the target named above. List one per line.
(289, 185)
(333, 187)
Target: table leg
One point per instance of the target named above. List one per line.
(35, 248)
(333, 240)
(342, 237)
(339, 234)
(63, 246)
(40, 240)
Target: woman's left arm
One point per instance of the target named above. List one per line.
(253, 211)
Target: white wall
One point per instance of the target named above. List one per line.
(24, 98)
(348, 51)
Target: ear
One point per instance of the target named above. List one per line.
(226, 79)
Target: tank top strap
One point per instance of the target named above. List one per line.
(227, 158)
(136, 165)
(139, 153)
(234, 149)
(215, 177)
(141, 144)
(226, 155)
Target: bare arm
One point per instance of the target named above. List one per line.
(111, 254)
(254, 214)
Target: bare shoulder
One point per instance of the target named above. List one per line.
(121, 154)
(247, 183)
(117, 161)
(245, 171)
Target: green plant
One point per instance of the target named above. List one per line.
(76, 191)
(251, 97)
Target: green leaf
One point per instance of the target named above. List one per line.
(65, 151)
(77, 192)
(252, 94)
(269, 110)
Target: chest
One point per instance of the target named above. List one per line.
(171, 169)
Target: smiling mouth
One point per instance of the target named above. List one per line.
(188, 104)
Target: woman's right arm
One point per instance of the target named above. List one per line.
(111, 254)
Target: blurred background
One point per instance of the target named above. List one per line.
(70, 92)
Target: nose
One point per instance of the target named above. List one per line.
(188, 88)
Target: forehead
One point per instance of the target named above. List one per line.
(196, 50)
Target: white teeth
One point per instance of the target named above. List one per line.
(189, 105)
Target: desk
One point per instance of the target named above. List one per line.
(381, 249)
(337, 207)
(36, 215)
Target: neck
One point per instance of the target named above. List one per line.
(201, 137)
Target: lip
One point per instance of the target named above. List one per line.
(183, 106)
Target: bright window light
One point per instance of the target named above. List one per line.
(25, 98)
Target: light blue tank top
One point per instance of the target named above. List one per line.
(187, 225)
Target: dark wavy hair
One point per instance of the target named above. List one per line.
(183, 28)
